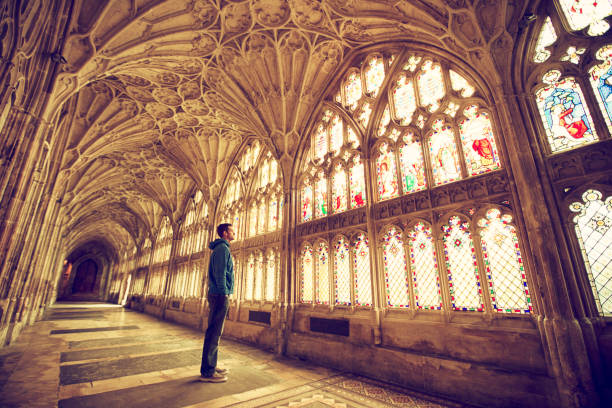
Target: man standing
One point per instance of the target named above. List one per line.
(220, 286)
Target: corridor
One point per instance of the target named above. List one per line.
(102, 355)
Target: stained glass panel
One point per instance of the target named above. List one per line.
(357, 182)
(363, 280)
(352, 90)
(431, 85)
(322, 271)
(307, 291)
(443, 154)
(396, 275)
(386, 173)
(321, 142)
(307, 202)
(339, 190)
(270, 276)
(321, 197)
(478, 141)
(502, 260)
(364, 115)
(336, 134)
(342, 272)
(565, 116)
(583, 13)
(547, 37)
(601, 80)
(374, 75)
(258, 287)
(273, 214)
(424, 268)
(253, 221)
(462, 267)
(352, 137)
(459, 83)
(411, 164)
(593, 225)
(250, 278)
(404, 99)
(261, 218)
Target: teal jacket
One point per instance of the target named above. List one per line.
(220, 268)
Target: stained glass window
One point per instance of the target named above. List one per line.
(321, 197)
(259, 276)
(336, 134)
(478, 142)
(361, 262)
(462, 267)
(593, 224)
(253, 221)
(307, 202)
(321, 142)
(374, 75)
(386, 173)
(364, 115)
(547, 37)
(459, 83)
(565, 116)
(502, 260)
(404, 99)
(357, 181)
(352, 137)
(342, 272)
(250, 278)
(572, 54)
(601, 80)
(352, 90)
(307, 291)
(443, 154)
(424, 268)
(431, 85)
(322, 271)
(270, 276)
(273, 214)
(339, 190)
(261, 218)
(411, 164)
(587, 13)
(396, 275)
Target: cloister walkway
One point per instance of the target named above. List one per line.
(102, 355)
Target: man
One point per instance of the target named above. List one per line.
(220, 286)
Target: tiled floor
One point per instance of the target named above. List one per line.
(101, 355)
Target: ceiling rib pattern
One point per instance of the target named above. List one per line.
(162, 94)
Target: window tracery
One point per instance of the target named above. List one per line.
(593, 228)
(567, 51)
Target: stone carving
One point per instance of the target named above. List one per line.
(195, 107)
(237, 17)
(159, 111)
(167, 96)
(271, 13)
(189, 90)
(204, 13)
(203, 44)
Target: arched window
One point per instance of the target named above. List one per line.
(249, 279)
(424, 267)
(307, 278)
(342, 272)
(567, 50)
(396, 274)
(593, 226)
(233, 207)
(259, 277)
(461, 266)
(503, 263)
(361, 267)
(271, 268)
(322, 274)
(145, 254)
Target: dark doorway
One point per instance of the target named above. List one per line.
(85, 278)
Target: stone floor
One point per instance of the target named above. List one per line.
(102, 355)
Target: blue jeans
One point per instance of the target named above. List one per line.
(219, 306)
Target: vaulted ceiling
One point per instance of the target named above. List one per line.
(157, 97)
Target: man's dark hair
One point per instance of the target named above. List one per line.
(221, 228)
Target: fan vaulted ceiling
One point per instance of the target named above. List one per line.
(157, 97)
